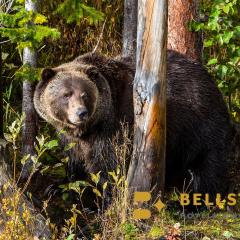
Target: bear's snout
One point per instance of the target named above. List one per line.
(82, 113)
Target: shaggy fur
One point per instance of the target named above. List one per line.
(93, 151)
(198, 124)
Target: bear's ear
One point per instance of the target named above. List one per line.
(47, 73)
(92, 72)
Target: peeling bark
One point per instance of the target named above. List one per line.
(180, 39)
(147, 170)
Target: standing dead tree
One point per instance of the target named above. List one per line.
(1, 91)
(39, 227)
(180, 39)
(29, 131)
(130, 29)
(147, 170)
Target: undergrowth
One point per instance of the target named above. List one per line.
(116, 222)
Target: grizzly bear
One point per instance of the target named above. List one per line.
(91, 95)
(88, 98)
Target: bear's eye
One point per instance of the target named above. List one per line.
(84, 96)
(67, 95)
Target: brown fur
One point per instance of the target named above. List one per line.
(110, 102)
(199, 131)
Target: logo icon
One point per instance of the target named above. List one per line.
(141, 213)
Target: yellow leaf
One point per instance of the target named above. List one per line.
(40, 19)
(105, 185)
(97, 192)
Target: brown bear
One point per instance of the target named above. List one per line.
(89, 96)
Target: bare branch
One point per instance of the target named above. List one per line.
(100, 37)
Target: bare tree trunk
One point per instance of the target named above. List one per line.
(30, 123)
(1, 91)
(130, 29)
(38, 228)
(180, 39)
(147, 169)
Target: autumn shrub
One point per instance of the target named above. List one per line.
(18, 219)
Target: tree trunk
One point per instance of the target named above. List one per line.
(1, 91)
(147, 169)
(180, 39)
(30, 123)
(130, 29)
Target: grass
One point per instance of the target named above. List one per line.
(18, 221)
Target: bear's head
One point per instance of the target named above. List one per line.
(73, 97)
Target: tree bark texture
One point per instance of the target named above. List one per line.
(147, 170)
(180, 39)
(30, 122)
(130, 29)
(29, 131)
(1, 91)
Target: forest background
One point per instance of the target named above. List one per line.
(63, 30)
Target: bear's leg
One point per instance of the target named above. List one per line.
(75, 169)
(104, 160)
(211, 177)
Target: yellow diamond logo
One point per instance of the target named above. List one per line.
(159, 205)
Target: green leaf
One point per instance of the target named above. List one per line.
(227, 37)
(39, 19)
(227, 234)
(156, 232)
(25, 159)
(69, 146)
(226, 8)
(75, 11)
(17, 30)
(65, 160)
(220, 39)
(51, 144)
(71, 237)
(4, 56)
(65, 196)
(8, 137)
(212, 61)
(114, 176)
(208, 43)
(95, 177)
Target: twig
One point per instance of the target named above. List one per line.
(6, 5)
(100, 37)
(5, 41)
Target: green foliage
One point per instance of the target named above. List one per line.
(75, 11)
(222, 47)
(14, 130)
(25, 28)
(28, 72)
(130, 231)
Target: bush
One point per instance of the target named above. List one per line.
(220, 25)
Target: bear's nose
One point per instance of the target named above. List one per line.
(82, 113)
